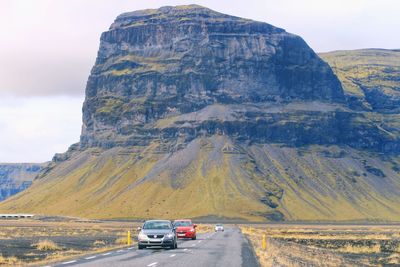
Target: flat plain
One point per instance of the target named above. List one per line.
(50, 240)
(325, 244)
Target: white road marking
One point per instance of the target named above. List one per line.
(89, 258)
(105, 254)
(193, 245)
(173, 255)
(120, 250)
(152, 264)
(199, 241)
(67, 262)
(185, 249)
(131, 248)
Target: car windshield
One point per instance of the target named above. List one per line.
(183, 223)
(219, 224)
(157, 225)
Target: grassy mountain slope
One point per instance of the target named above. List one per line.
(370, 76)
(216, 177)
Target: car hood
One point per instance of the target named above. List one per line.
(184, 228)
(156, 231)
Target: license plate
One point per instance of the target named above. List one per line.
(181, 234)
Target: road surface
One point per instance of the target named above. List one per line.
(228, 248)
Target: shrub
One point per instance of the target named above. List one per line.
(46, 245)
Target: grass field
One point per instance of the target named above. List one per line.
(52, 239)
(326, 245)
(24, 242)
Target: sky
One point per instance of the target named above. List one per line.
(48, 47)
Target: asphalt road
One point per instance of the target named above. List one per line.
(228, 248)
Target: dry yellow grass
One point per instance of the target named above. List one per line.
(103, 232)
(46, 245)
(121, 241)
(204, 228)
(394, 259)
(310, 243)
(256, 241)
(9, 261)
(99, 243)
(360, 249)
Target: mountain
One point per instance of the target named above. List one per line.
(194, 113)
(370, 77)
(16, 177)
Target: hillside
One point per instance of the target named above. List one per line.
(16, 177)
(370, 77)
(194, 113)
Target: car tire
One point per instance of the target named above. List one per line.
(176, 245)
(194, 238)
(141, 247)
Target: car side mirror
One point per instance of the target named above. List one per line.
(194, 225)
(139, 228)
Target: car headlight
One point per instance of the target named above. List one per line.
(142, 236)
(170, 235)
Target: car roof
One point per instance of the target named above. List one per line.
(158, 221)
(179, 220)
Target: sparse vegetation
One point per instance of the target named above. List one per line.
(99, 243)
(376, 248)
(121, 241)
(325, 245)
(46, 245)
(32, 241)
(9, 261)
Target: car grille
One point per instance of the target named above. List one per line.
(155, 236)
(181, 232)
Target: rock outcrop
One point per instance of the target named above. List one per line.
(17, 177)
(156, 64)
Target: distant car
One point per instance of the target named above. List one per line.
(219, 227)
(157, 233)
(185, 229)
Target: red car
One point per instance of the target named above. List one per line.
(185, 229)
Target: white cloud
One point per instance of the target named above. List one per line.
(33, 129)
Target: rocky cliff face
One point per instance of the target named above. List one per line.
(156, 64)
(193, 113)
(16, 177)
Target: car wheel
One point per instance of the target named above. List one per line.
(176, 245)
(141, 247)
(194, 238)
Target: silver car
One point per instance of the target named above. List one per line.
(219, 227)
(157, 233)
